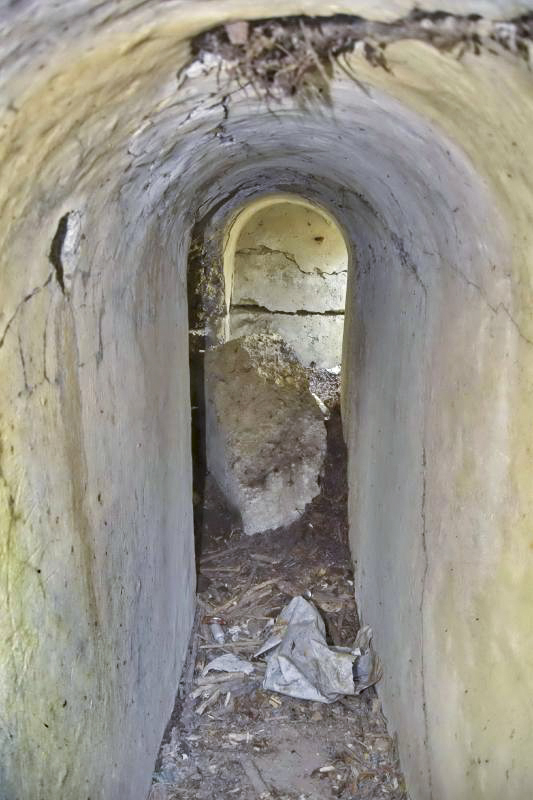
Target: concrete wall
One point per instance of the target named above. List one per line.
(287, 264)
(439, 449)
(427, 168)
(97, 555)
(97, 571)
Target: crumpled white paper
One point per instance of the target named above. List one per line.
(229, 663)
(300, 663)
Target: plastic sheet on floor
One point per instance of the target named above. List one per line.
(301, 664)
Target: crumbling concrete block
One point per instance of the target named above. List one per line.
(274, 280)
(315, 338)
(266, 437)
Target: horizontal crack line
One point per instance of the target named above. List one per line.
(299, 313)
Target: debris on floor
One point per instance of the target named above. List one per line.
(301, 664)
(229, 663)
(231, 735)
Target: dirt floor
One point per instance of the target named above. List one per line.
(227, 736)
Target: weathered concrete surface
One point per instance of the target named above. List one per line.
(315, 338)
(428, 169)
(440, 339)
(265, 434)
(97, 571)
(290, 258)
(97, 567)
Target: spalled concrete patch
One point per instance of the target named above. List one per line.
(266, 437)
(315, 338)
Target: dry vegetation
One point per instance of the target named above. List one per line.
(296, 55)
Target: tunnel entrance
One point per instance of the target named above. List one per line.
(286, 265)
(271, 526)
(266, 328)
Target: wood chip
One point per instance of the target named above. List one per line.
(209, 702)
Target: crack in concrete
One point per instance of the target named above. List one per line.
(264, 250)
(13, 518)
(30, 389)
(27, 387)
(299, 313)
(20, 305)
(100, 352)
(406, 261)
(46, 379)
(495, 309)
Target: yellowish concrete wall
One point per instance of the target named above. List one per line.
(97, 573)
(474, 497)
(428, 171)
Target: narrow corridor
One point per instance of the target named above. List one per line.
(230, 738)
(133, 133)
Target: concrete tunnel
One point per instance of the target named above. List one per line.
(109, 161)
